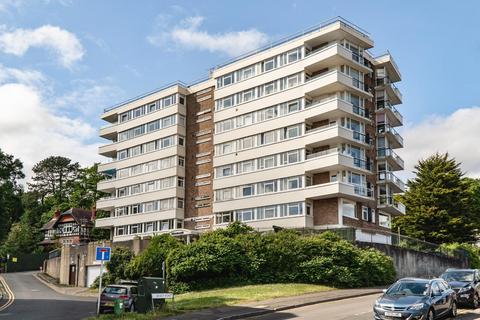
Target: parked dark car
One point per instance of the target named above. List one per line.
(127, 293)
(416, 299)
(466, 283)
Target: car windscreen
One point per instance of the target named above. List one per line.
(115, 290)
(462, 276)
(405, 288)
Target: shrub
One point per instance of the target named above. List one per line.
(149, 262)
(117, 266)
(472, 252)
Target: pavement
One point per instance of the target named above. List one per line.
(242, 311)
(52, 283)
(29, 299)
(352, 309)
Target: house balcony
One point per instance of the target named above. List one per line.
(334, 160)
(395, 183)
(334, 55)
(389, 205)
(109, 131)
(395, 117)
(393, 159)
(334, 108)
(334, 81)
(395, 139)
(339, 189)
(386, 60)
(393, 93)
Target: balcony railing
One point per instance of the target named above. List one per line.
(365, 138)
(384, 200)
(386, 81)
(321, 153)
(330, 125)
(388, 152)
(384, 128)
(385, 104)
(388, 176)
(363, 191)
(362, 164)
(355, 82)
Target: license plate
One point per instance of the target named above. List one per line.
(464, 295)
(109, 304)
(393, 314)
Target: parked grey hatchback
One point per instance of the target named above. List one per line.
(416, 299)
(125, 292)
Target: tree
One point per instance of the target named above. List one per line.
(54, 176)
(22, 238)
(438, 203)
(10, 192)
(84, 192)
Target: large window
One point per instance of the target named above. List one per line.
(348, 208)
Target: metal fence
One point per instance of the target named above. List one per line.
(390, 238)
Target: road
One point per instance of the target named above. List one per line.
(35, 301)
(350, 309)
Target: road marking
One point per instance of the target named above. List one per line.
(11, 296)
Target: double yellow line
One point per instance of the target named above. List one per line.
(11, 296)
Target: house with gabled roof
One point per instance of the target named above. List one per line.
(70, 227)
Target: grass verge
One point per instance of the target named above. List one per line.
(225, 297)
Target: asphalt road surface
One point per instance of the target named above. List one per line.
(349, 309)
(35, 301)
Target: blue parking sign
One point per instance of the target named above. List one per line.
(103, 253)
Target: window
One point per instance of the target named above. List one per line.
(164, 225)
(245, 215)
(267, 162)
(124, 117)
(292, 81)
(150, 146)
(248, 95)
(135, 151)
(245, 120)
(247, 143)
(293, 183)
(246, 166)
(150, 186)
(149, 227)
(247, 191)
(269, 88)
(227, 147)
(227, 102)
(226, 194)
(181, 182)
(181, 141)
(134, 228)
(294, 209)
(180, 203)
(293, 156)
(150, 206)
(152, 166)
(120, 231)
(122, 192)
(293, 106)
(227, 171)
(228, 79)
(291, 132)
(248, 72)
(348, 209)
(224, 217)
(293, 55)
(136, 208)
(181, 161)
(267, 137)
(269, 64)
(384, 220)
(270, 212)
(269, 186)
(368, 214)
(122, 154)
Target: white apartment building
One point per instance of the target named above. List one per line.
(298, 135)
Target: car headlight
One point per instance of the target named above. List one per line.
(467, 288)
(377, 303)
(417, 306)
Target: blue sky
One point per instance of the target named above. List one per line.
(115, 50)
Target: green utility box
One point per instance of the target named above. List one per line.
(118, 307)
(146, 287)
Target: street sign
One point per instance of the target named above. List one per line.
(102, 253)
(14, 259)
(162, 295)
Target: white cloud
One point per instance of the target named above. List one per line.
(187, 34)
(32, 131)
(64, 43)
(27, 77)
(458, 134)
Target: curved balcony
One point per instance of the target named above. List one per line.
(393, 159)
(395, 117)
(389, 205)
(395, 139)
(395, 183)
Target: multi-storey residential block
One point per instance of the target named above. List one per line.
(298, 135)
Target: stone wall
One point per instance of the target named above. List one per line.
(411, 263)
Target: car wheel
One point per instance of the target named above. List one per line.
(475, 301)
(430, 315)
(453, 310)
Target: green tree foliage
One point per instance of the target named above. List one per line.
(472, 252)
(84, 190)
(55, 177)
(22, 238)
(229, 257)
(149, 262)
(97, 234)
(117, 266)
(439, 203)
(10, 192)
